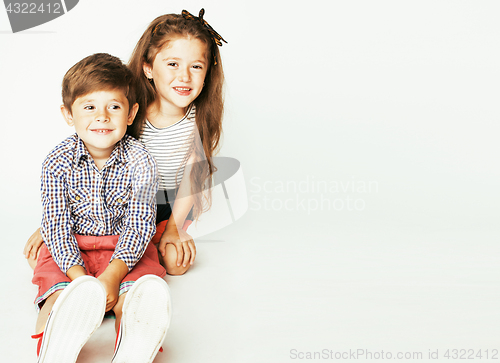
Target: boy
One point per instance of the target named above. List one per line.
(98, 196)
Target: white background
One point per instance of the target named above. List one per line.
(401, 94)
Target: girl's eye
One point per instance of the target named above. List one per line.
(197, 66)
(89, 107)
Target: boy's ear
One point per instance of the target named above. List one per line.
(131, 114)
(67, 116)
(148, 70)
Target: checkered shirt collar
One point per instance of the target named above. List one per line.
(82, 154)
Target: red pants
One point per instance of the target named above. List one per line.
(96, 252)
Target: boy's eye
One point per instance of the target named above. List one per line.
(89, 107)
(115, 107)
(172, 64)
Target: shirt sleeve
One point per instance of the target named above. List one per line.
(56, 226)
(140, 218)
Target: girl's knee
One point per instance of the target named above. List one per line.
(32, 261)
(170, 261)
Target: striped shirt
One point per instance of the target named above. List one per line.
(170, 147)
(77, 198)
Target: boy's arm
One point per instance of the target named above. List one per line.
(140, 218)
(56, 226)
(111, 279)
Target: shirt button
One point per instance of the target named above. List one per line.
(120, 200)
(77, 197)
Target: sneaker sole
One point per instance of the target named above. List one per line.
(76, 314)
(145, 320)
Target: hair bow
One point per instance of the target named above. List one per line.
(217, 38)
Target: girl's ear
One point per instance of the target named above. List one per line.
(148, 70)
(67, 115)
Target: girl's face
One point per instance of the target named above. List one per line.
(178, 72)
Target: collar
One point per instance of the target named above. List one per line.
(82, 154)
(118, 154)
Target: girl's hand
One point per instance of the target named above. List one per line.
(183, 242)
(32, 248)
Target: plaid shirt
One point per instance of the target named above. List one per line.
(77, 198)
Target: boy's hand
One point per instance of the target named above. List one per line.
(75, 272)
(183, 242)
(32, 248)
(111, 279)
(112, 287)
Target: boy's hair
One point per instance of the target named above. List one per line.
(98, 72)
(209, 103)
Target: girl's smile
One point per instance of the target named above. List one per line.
(183, 91)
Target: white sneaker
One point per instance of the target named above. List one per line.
(145, 319)
(75, 316)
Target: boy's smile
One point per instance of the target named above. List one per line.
(100, 119)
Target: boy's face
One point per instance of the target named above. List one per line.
(100, 119)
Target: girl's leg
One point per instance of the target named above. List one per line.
(32, 261)
(169, 261)
(43, 315)
(164, 212)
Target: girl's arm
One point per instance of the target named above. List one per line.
(183, 242)
(32, 248)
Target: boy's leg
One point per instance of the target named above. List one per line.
(43, 315)
(70, 311)
(147, 265)
(77, 311)
(136, 325)
(118, 310)
(50, 281)
(144, 320)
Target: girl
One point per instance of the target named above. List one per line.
(179, 73)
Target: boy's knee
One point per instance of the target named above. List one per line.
(52, 298)
(117, 309)
(55, 295)
(170, 261)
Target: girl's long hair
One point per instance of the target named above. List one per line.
(209, 104)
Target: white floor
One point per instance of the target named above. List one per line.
(402, 93)
(273, 286)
